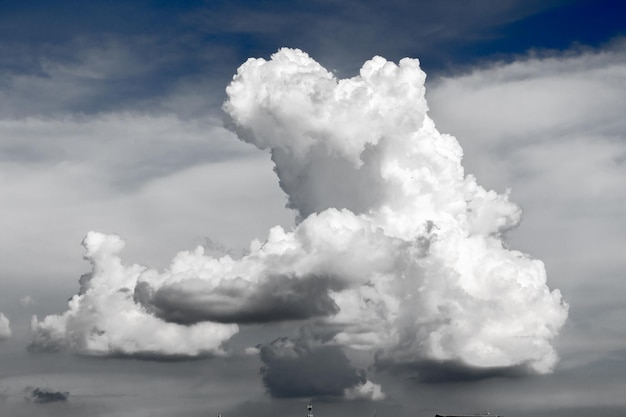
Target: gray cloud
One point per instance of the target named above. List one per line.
(292, 368)
(27, 301)
(278, 298)
(316, 178)
(45, 396)
(133, 148)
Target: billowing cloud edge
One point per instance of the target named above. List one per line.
(396, 250)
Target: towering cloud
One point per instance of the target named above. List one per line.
(438, 283)
(5, 327)
(396, 249)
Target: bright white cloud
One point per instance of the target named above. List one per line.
(5, 328)
(452, 290)
(103, 319)
(552, 128)
(397, 250)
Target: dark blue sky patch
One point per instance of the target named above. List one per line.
(580, 22)
(206, 41)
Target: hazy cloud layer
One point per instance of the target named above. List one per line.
(143, 176)
(397, 250)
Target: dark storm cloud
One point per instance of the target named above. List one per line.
(293, 369)
(131, 148)
(278, 298)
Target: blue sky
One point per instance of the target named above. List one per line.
(111, 120)
(178, 41)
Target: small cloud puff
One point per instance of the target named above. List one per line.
(5, 328)
(27, 301)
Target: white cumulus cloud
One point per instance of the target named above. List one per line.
(397, 250)
(446, 287)
(103, 318)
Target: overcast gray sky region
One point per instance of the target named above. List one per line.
(388, 208)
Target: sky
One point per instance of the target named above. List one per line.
(396, 208)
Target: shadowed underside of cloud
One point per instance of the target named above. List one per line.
(278, 298)
(396, 250)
